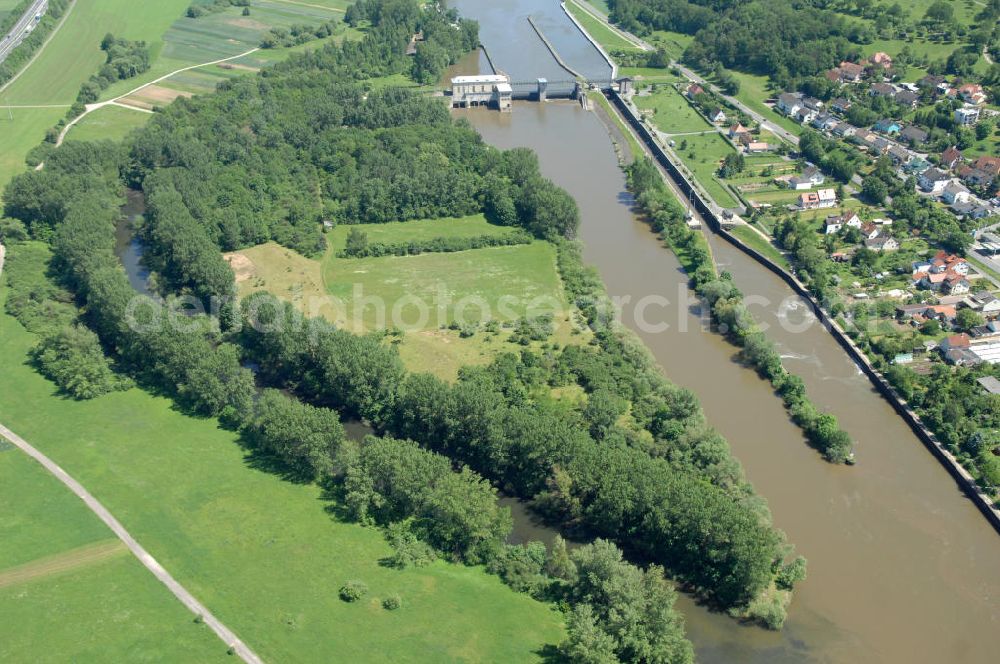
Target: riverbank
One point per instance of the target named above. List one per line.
(966, 482)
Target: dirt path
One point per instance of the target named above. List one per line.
(66, 561)
(117, 100)
(187, 599)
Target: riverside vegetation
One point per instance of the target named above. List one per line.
(730, 313)
(271, 156)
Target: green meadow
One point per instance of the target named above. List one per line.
(265, 555)
(461, 283)
(65, 607)
(672, 114)
(703, 155)
(109, 122)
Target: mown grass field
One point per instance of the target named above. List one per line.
(21, 129)
(501, 283)
(262, 553)
(672, 113)
(110, 122)
(753, 239)
(702, 156)
(75, 52)
(69, 604)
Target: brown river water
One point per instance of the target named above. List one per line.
(902, 567)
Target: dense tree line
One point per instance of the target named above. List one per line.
(487, 420)
(358, 245)
(123, 59)
(659, 482)
(730, 313)
(784, 40)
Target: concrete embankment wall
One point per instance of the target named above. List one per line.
(964, 479)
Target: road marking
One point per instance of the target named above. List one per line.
(180, 592)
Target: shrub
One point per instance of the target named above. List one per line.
(353, 590)
(392, 602)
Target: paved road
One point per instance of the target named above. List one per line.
(21, 29)
(227, 635)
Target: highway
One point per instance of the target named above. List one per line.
(17, 33)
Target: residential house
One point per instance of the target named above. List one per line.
(955, 284)
(886, 90)
(881, 60)
(971, 209)
(967, 115)
(916, 165)
(851, 72)
(863, 137)
(823, 198)
(988, 164)
(757, 147)
(945, 262)
(717, 115)
(870, 231)
(914, 135)
(907, 98)
(804, 114)
(844, 130)
(694, 90)
(951, 157)
(737, 130)
(887, 126)
(976, 177)
(882, 244)
(789, 102)
(956, 192)
(972, 93)
(880, 145)
(931, 82)
(989, 330)
(985, 302)
(840, 105)
(824, 121)
(810, 177)
(933, 180)
(812, 103)
(899, 155)
(835, 222)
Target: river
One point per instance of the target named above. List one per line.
(902, 567)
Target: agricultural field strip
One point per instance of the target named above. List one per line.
(116, 101)
(224, 633)
(307, 4)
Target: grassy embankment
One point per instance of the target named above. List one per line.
(260, 552)
(605, 36)
(510, 281)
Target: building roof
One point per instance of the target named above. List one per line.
(988, 164)
(481, 78)
(913, 133)
(989, 383)
(951, 155)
